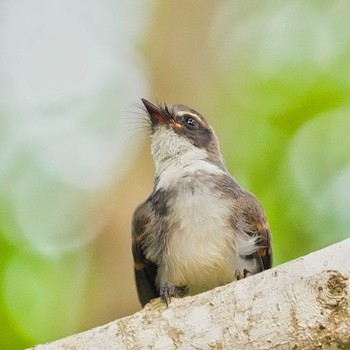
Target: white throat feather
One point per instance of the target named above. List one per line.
(175, 157)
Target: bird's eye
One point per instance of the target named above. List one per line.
(190, 121)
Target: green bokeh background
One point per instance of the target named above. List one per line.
(272, 77)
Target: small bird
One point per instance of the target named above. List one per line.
(199, 228)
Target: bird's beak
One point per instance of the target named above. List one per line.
(156, 114)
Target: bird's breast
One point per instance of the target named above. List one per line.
(200, 248)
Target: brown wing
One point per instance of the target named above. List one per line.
(145, 271)
(257, 225)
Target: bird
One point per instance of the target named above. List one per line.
(198, 229)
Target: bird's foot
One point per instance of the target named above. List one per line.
(240, 276)
(169, 290)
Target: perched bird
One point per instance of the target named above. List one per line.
(199, 228)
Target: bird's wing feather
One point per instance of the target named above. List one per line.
(257, 226)
(145, 270)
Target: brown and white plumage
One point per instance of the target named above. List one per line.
(199, 228)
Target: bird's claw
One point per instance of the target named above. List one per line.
(240, 276)
(169, 290)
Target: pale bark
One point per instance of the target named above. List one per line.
(304, 304)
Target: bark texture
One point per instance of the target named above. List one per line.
(304, 304)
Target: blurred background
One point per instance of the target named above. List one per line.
(272, 77)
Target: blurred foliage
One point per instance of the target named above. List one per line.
(288, 94)
(272, 78)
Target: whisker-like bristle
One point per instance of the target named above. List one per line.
(137, 122)
(164, 107)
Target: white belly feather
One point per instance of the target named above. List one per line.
(201, 253)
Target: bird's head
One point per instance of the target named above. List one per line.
(180, 134)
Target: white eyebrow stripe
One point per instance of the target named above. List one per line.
(182, 113)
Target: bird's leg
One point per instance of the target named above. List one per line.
(169, 290)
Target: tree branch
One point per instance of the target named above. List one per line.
(304, 304)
